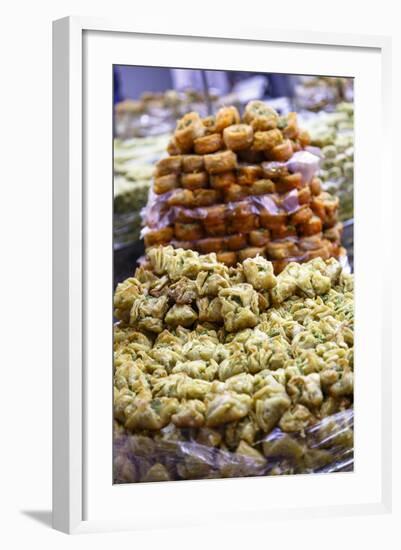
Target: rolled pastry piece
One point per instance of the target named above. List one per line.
(334, 234)
(236, 242)
(188, 129)
(257, 109)
(162, 184)
(291, 128)
(287, 183)
(249, 173)
(259, 237)
(217, 163)
(281, 152)
(311, 243)
(282, 249)
(209, 123)
(337, 250)
(226, 116)
(250, 252)
(238, 137)
(211, 244)
(261, 187)
(215, 213)
(205, 197)
(169, 165)
(283, 231)
(304, 138)
(270, 220)
(228, 258)
(208, 144)
(192, 163)
(331, 203)
(315, 186)
(234, 193)
(301, 216)
(158, 236)
(188, 231)
(172, 147)
(264, 123)
(265, 141)
(196, 180)
(223, 180)
(181, 197)
(330, 221)
(311, 227)
(215, 229)
(244, 223)
(325, 206)
(317, 205)
(304, 195)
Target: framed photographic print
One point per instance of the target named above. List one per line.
(218, 345)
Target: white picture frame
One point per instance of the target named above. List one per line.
(75, 222)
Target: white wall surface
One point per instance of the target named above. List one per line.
(25, 179)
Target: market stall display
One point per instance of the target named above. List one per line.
(242, 186)
(227, 372)
(133, 169)
(333, 133)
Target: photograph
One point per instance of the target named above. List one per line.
(232, 319)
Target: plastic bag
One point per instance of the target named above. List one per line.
(325, 447)
(160, 212)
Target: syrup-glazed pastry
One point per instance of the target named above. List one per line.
(192, 163)
(238, 137)
(158, 236)
(163, 184)
(249, 173)
(226, 116)
(195, 180)
(168, 165)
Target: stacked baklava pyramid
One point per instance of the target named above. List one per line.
(242, 187)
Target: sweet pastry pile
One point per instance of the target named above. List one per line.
(222, 358)
(242, 187)
(133, 166)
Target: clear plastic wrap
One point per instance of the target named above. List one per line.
(283, 227)
(324, 447)
(159, 212)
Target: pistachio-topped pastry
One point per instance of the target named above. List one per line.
(199, 345)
